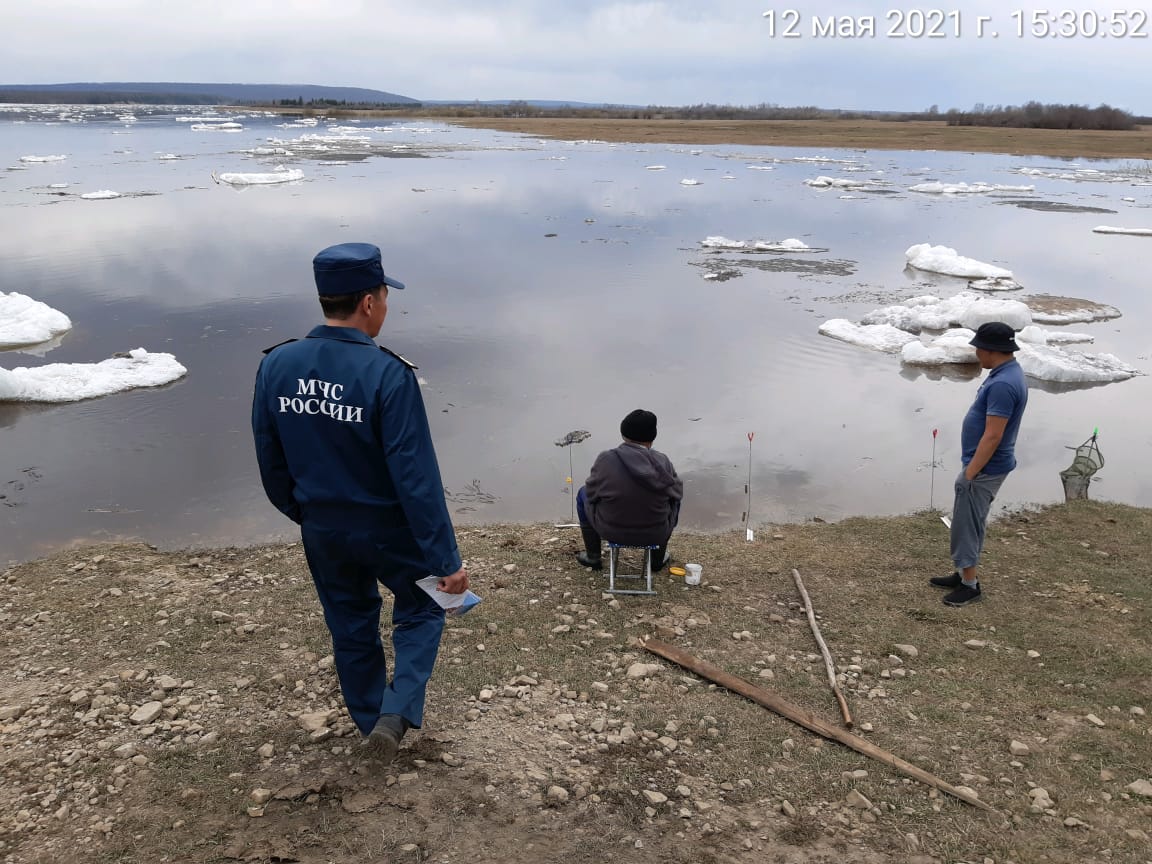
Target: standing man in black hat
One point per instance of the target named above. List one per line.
(345, 451)
(632, 495)
(988, 453)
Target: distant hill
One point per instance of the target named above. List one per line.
(152, 92)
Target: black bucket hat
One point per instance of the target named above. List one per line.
(995, 336)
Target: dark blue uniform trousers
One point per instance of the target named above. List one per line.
(347, 567)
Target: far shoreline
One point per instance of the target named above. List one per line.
(911, 135)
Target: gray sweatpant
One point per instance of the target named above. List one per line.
(970, 516)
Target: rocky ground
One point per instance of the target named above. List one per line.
(182, 706)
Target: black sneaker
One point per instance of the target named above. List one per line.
(658, 566)
(953, 581)
(383, 741)
(594, 563)
(964, 595)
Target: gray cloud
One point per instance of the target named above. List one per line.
(624, 51)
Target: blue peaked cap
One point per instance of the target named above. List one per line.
(349, 268)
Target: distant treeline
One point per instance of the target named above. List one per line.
(1033, 115)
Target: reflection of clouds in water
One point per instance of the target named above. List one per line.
(715, 497)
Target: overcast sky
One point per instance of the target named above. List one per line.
(670, 52)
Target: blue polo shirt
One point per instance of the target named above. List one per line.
(1004, 393)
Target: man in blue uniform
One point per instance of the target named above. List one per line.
(988, 453)
(344, 449)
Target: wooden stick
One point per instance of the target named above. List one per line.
(823, 650)
(806, 719)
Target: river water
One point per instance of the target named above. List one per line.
(552, 286)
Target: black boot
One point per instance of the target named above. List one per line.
(590, 557)
(660, 558)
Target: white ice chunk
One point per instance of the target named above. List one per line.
(217, 127)
(57, 185)
(1056, 364)
(823, 182)
(688, 181)
(877, 337)
(43, 158)
(102, 195)
(1108, 229)
(282, 176)
(71, 382)
(998, 284)
(655, 167)
(945, 260)
(947, 348)
(966, 189)
(24, 321)
(1066, 312)
(965, 309)
(1039, 336)
(789, 245)
(986, 309)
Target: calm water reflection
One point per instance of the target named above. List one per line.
(521, 336)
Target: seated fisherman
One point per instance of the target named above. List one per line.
(631, 497)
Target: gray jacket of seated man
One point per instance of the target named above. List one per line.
(632, 495)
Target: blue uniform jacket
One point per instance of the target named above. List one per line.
(343, 442)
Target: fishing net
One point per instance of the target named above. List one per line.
(1076, 477)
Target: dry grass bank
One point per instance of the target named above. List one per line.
(540, 744)
(842, 134)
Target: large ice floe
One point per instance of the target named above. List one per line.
(72, 382)
(966, 309)
(43, 158)
(947, 261)
(966, 188)
(280, 175)
(1136, 232)
(101, 195)
(823, 182)
(1044, 362)
(913, 330)
(1048, 309)
(24, 321)
(789, 245)
(875, 337)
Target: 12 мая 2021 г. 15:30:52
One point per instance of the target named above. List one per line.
(952, 24)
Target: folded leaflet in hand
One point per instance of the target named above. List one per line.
(453, 604)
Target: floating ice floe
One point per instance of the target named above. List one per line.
(760, 167)
(1040, 361)
(789, 245)
(876, 337)
(966, 188)
(837, 183)
(167, 156)
(227, 126)
(949, 347)
(655, 167)
(995, 284)
(57, 185)
(1039, 336)
(102, 195)
(268, 151)
(71, 382)
(945, 260)
(1068, 310)
(688, 181)
(965, 309)
(1048, 363)
(1108, 229)
(24, 321)
(280, 176)
(43, 158)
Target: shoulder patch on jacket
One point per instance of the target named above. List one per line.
(277, 345)
(406, 362)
